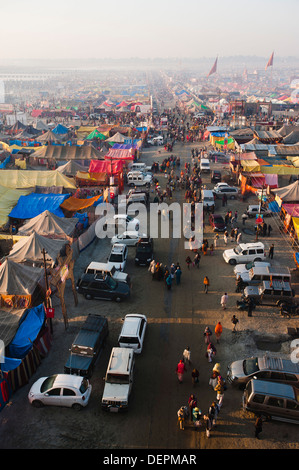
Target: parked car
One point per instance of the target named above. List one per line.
(158, 140)
(254, 210)
(266, 367)
(87, 346)
(220, 185)
(139, 178)
(244, 253)
(205, 165)
(216, 176)
(122, 222)
(273, 273)
(245, 268)
(208, 198)
(102, 268)
(103, 287)
(217, 223)
(272, 400)
(118, 380)
(230, 191)
(72, 391)
(133, 332)
(144, 251)
(269, 292)
(118, 257)
(128, 238)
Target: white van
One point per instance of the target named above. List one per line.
(118, 380)
(133, 332)
(138, 178)
(103, 268)
(244, 253)
(205, 165)
(207, 197)
(140, 167)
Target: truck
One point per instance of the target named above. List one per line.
(87, 346)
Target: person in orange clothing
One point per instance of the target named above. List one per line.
(218, 331)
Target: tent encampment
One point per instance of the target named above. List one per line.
(18, 283)
(288, 193)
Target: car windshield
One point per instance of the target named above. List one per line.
(218, 220)
(111, 282)
(238, 250)
(117, 379)
(115, 258)
(250, 366)
(48, 383)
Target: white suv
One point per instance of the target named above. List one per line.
(118, 257)
(133, 332)
(244, 253)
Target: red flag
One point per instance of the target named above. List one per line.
(270, 61)
(214, 68)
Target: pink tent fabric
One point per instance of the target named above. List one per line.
(105, 166)
(271, 180)
(292, 209)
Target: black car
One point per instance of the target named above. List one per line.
(144, 251)
(99, 286)
(216, 176)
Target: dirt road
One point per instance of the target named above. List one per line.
(177, 319)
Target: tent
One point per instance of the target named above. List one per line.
(60, 129)
(292, 138)
(23, 179)
(288, 193)
(29, 249)
(8, 200)
(117, 138)
(85, 131)
(74, 204)
(18, 283)
(66, 152)
(34, 204)
(49, 225)
(71, 168)
(50, 137)
(95, 134)
(108, 167)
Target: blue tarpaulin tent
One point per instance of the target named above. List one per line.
(60, 129)
(5, 162)
(34, 204)
(29, 328)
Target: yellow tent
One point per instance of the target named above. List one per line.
(250, 166)
(8, 200)
(296, 225)
(84, 131)
(20, 163)
(22, 179)
(279, 170)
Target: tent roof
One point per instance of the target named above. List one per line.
(49, 225)
(118, 138)
(71, 168)
(292, 138)
(18, 279)
(67, 152)
(30, 249)
(60, 129)
(9, 323)
(286, 130)
(24, 179)
(288, 193)
(50, 136)
(8, 199)
(74, 204)
(101, 166)
(35, 203)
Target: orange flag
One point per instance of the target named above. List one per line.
(270, 61)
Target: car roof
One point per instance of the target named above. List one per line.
(67, 380)
(273, 388)
(118, 247)
(277, 363)
(252, 245)
(277, 285)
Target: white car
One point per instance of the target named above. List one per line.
(72, 391)
(128, 238)
(245, 268)
(123, 222)
(133, 332)
(219, 185)
(118, 257)
(254, 210)
(244, 253)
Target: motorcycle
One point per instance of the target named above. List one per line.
(288, 310)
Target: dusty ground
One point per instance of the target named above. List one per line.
(176, 319)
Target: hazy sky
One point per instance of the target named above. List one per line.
(155, 28)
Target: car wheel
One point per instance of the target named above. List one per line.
(257, 259)
(232, 262)
(88, 296)
(77, 407)
(232, 197)
(37, 404)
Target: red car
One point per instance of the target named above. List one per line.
(217, 222)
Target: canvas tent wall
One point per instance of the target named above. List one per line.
(66, 152)
(29, 250)
(71, 168)
(288, 193)
(49, 225)
(8, 199)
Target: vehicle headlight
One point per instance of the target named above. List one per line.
(136, 259)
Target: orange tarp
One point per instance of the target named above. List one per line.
(73, 204)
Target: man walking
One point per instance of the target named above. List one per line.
(206, 284)
(271, 251)
(224, 300)
(234, 322)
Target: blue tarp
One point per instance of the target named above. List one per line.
(274, 207)
(297, 258)
(5, 162)
(28, 331)
(83, 218)
(10, 364)
(34, 204)
(60, 129)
